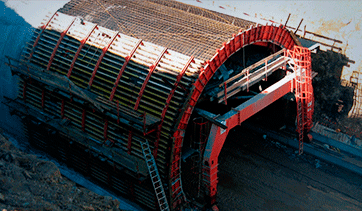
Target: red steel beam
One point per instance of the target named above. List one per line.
(129, 144)
(58, 43)
(175, 169)
(83, 119)
(152, 68)
(127, 59)
(172, 92)
(105, 129)
(104, 51)
(82, 43)
(236, 117)
(42, 30)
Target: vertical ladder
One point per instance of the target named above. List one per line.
(300, 113)
(303, 91)
(155, 177)
(203, 127)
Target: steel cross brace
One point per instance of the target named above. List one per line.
(233, 118)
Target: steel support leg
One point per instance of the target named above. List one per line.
(231, 119)
(215, 142)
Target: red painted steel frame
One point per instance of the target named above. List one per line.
(58, 43)
(233, 118)
(152, 68)
(129, 144)
(42, 30)
(105, 130)
(82, 43)
(127, 59)
(300, 81)
(104, 51)
(272, 34)
(172, 92)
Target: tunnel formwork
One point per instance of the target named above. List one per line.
(109, 87)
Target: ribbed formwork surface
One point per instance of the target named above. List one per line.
(117, 50)
(91, 164)
(73, 154)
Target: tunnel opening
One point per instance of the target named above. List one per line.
(281, 113)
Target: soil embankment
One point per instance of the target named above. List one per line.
(333, 99)
(30, 183)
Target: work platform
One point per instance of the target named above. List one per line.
(119, 81)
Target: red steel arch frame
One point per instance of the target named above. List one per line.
(254, 35)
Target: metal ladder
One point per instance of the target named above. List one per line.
(155, 177)
(301, 64)
(300, 112)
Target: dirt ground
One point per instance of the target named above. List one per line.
(258, 174)
(30, 183)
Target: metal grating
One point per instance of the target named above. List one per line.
(183, 28)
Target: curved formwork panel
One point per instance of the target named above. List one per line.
(115, 89)
(143, 80)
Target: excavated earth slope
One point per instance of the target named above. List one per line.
(30, 183)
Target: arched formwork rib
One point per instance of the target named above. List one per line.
(177, 83)
(298, 82)
(272, 34)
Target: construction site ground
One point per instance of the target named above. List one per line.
(30, 183)
(255, 173)
(261, 174)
